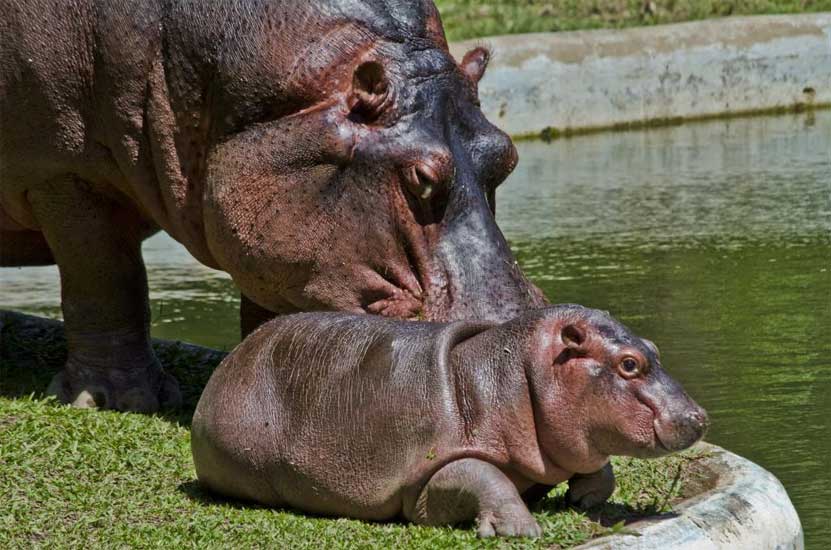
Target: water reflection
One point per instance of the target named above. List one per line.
(712, 239)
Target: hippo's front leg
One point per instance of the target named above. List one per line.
(96, 243)
(587, 490)
(473, 489)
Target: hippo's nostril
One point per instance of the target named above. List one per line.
(427, 180)
(700, 418)
(513, 158)
(427, 183)
(419, 183)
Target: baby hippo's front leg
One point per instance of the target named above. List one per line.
(473, 489)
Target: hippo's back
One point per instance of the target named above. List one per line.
(329, 413)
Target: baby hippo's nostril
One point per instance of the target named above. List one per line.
(681, 429)
(699, 419)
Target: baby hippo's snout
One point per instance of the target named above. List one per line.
(679, 421)
(682, 430)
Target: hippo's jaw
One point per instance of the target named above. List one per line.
(650, 428)
(464, 270)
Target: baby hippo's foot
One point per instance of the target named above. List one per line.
(474, 489)
(587, 490)
(510, 521)
(133, 388)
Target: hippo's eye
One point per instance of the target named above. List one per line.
(629, 367)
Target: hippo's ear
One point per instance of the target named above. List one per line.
(652, 347)
(475, 62)
(572, 336)
(371, 92)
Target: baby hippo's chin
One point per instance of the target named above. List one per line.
(665, 440)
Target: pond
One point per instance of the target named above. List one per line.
(712, 239)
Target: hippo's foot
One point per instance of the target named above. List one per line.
(144, 390)
(470, 488)
(588, 490)
(511, 521)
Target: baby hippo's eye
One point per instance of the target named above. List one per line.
(629, 367)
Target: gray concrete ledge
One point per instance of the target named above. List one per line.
(588, 80)
(746, 509)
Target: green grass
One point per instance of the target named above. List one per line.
(476, 18)
(74, 478)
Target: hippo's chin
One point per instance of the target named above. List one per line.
(670, 441)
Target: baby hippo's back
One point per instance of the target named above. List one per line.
(330, 413)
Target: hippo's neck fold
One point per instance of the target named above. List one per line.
(178, 151)
(495, 404)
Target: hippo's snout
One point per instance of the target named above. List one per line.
(679, 421)
(679, 430)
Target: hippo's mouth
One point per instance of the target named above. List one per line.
(658, 443)
(405, 290)
(401, 304)
(420, 287)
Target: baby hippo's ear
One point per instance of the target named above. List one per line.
(652, 347)
(573, 336)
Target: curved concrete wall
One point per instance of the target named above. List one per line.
(747, 509)
(577, 81)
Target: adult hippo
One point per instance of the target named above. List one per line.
(329, 155)
(439, 423)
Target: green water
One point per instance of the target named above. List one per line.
(714, 240)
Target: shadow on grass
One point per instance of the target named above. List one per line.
(611, 516)
(608, 514)
(33, 350)
(195, 491)
(612, 513)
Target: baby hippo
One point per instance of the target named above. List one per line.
(370, 418)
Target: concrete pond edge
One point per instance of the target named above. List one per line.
(746, 508)
(553, 84)
(740, 505)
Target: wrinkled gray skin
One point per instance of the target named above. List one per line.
(368, 418)
(327, 154)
